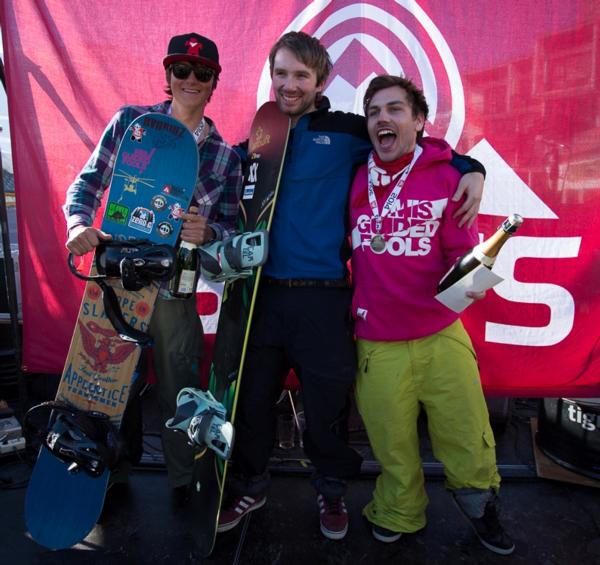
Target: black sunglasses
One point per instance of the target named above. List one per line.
(182, 71)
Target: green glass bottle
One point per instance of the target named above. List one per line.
(183, 284)
(483, 254)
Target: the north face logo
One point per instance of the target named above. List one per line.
(322, 140)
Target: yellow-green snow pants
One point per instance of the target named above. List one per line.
(438, 373)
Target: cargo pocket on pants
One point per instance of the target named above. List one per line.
(489, 440)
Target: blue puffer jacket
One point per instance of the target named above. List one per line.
(308, 235)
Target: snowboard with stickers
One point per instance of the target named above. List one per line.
(153, 183)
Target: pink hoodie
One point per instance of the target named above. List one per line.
(395, 289)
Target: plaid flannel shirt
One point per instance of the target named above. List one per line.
(217, 190)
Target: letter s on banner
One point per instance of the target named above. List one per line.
(558, 299)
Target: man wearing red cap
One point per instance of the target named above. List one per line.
(192, 71)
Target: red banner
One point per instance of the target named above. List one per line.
(514, 84)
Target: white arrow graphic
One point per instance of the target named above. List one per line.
(505, 193)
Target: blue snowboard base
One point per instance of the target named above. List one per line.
(71, 509)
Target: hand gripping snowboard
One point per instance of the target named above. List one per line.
(152, 184)
(266, 151)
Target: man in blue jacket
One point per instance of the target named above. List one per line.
(302, 316)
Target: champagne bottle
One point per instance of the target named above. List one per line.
(183, 283)
(483, 254)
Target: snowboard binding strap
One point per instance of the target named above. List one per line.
(86, 440)
(204, 420)
(137, 263)
(235, 257)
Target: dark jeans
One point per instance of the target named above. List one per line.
(309, 330)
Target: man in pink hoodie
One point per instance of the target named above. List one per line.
(413, 352)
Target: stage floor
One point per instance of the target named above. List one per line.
(551, 522)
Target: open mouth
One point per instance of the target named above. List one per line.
(386, 138)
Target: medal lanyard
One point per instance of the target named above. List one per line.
(389, 202)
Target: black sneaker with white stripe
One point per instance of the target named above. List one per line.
(488, 529)
(236, 508)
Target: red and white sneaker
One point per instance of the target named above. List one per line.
(236, 508)
(333, 517)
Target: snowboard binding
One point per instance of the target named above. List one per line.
(204, 420)
(235, 257)
(86, 440)
(137, 263)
